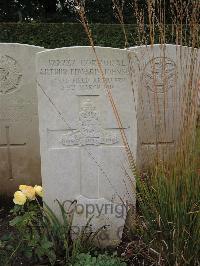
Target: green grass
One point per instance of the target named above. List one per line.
(168, 222)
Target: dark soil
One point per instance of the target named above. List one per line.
(5, 206)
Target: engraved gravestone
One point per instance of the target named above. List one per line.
(164, 71)
(82, 153)
(19, 138)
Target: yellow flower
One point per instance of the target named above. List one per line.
(19, 198)
(39, 190)
(21, 187)
(28, 191)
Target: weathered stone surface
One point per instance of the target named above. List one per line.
(19, 136)
(81, 147)
(164, 72)
(101, 217)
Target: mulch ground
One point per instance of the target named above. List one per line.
(5, 206)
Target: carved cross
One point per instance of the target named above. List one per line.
(91, 139)
(8, 145)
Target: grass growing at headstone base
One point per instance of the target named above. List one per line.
(33, 235)
(166, 230)
(168, 222)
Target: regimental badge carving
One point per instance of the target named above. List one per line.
(89, 131)
(10, 74)
(159, 75)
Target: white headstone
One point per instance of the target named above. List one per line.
(82, 153)
(19, 136)
(164, 72)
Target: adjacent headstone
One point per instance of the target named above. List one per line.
(19, 136)
(164, 72)
(82, 153)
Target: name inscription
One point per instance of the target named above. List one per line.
(84, 74)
